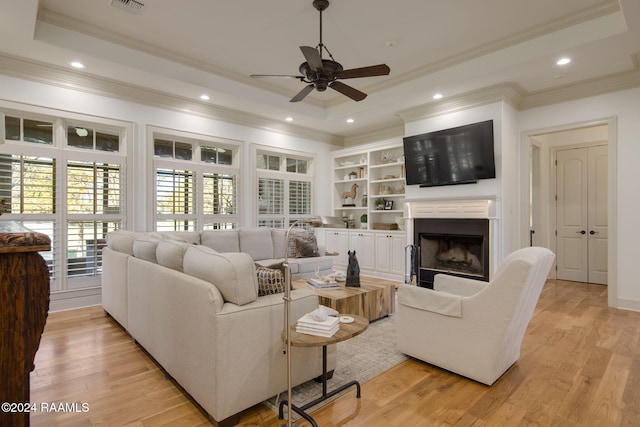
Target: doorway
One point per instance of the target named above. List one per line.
(541, 208)
(581, 213)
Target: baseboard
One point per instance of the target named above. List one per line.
(62, 301)
(626, 304)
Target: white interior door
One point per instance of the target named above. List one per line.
(581, 185)
(598, 202)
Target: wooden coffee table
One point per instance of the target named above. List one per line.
(372, 300)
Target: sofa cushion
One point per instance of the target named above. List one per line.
(122, 240)
(278, 237)
(170, 253)
(182, 236)
(144, 247)
(256, 242)
(234, 274)
(270, 281)
(221, 240)
(308, 265)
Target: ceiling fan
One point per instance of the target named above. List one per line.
(321, 73)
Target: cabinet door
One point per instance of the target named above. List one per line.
(390, 249)
(382, 252)
(363, 244)
(397, 254)
(337, 241)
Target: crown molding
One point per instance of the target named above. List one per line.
(61, 77)
(584, 89)
(507, 92)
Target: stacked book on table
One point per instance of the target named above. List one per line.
(325, 328)
(321, 284)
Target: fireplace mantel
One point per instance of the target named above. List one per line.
(483, 208)
(476, 208)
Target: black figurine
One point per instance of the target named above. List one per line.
(353, 271)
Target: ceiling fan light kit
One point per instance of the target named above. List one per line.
(320, 74)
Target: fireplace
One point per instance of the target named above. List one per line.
(457, 237)
(454, 246)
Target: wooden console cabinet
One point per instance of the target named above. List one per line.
(24, 303)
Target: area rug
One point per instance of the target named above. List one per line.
(360, 358)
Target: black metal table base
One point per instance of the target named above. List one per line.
(325, 395)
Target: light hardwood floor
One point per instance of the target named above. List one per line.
(580, 365)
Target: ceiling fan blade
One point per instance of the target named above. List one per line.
(280, 76)
(313, 57)
(373, 70)
(349, 91)
(304, 92)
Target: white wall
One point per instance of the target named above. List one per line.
(489, 188)
(41, 95)
(624, 107)
(503, 190)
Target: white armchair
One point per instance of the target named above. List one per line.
(470, 327)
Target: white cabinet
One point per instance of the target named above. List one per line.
(380, 253)
(363, 243)
(390, 253)
(337, 241)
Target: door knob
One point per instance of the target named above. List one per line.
(593, 232)
(581, 232)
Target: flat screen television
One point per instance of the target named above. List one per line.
(460, 155)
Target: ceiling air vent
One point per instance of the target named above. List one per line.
(132, 6)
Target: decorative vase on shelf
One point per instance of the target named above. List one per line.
(400, 222)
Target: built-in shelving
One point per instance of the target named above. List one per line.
(377, 173)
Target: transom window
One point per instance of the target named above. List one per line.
(28, 130)
(88, 138)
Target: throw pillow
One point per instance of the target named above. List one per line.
(306, 248)
(270, 281)
(277, 266)
(296, 234)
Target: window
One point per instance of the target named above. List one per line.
(269, 162)
(84, 137)
(175, 199)
(297, 165)
(65, 180)
(28, 130)
(284, 188)
(27, 184)
(173, 149)
(195, 183)
(219, 155)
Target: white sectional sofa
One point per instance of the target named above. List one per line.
(191, 301)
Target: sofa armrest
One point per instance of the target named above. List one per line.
(458, 285)
(430, 300)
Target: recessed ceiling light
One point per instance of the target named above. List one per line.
(437, 96)
(204, 97)
(350, 120)
(77, 64)
(289, 119)
(563, 61)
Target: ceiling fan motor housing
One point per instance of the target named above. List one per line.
(321, 78)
